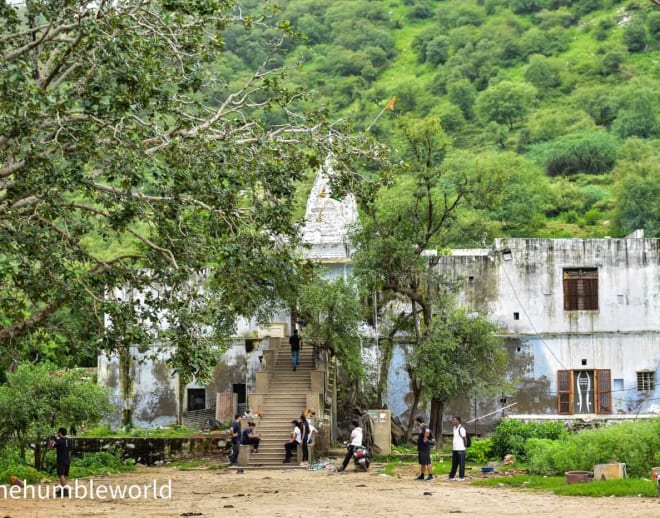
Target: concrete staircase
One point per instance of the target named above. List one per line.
(284, 399)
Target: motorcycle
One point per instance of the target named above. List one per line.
(361, 457)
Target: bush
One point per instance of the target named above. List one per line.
(12, 464)
(480, 452)
(591, 152)
(636, 444)
(511, 436)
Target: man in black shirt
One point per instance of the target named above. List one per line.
(61, 445)
(296, 343)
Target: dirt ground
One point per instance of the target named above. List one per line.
(323, 493)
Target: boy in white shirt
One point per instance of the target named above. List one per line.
(356, 440)
(458, 450)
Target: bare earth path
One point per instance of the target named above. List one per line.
(302, 493)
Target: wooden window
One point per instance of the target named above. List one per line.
(580, 289)
(569, 403)
(645, 381)
(564, 389)
(604, 393)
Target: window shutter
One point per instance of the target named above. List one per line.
(604, 394)
(564, 391)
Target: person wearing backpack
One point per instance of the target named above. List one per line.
(424, 442)
(458, 450)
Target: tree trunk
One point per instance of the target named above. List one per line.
(435, 423)
(125, 384)
(384, 369)
(417, 393)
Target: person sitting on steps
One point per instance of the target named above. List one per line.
(250, 437)
(292, 445)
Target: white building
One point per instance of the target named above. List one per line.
(147, 392)
(580, 318)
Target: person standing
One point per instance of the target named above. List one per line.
(61, 445)
(292, 444)
(296, 344)
(356, 440)
(458, 450)
(235, 439)
(250, 437)
(304, 435)
(424, 449)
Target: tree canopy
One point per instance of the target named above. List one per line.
(133, 155)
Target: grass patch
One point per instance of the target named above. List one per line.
(558, 485)
(164, 432)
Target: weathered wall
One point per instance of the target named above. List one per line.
(153, 387)
(523, 293)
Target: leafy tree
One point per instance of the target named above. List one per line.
(38, 399)
(637, 114)
(635, 36)
(135, 167)
(543, 73)
(526, 196)
(415, 213)
(460, 356)
(550, 123)
(637, 196)
(462, 94)
(506, 102)
(437, 50)
(332, 313)
(590, 152)
(527, 6)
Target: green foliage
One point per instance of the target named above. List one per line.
(480, 452)
(11, 463)
(90, 464)
(459, 355)
(506, 102)
(332, 312)
(583, 450)
(558, 485)
(511, 436)
(635, 36)
(38, 399)
(588, 152)
(637, 196)
(179, 158)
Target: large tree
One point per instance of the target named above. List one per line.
(406, 225)
(135, 165)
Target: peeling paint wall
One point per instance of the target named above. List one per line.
(518, 283)
(153, 399)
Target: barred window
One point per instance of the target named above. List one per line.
(580, 289)
(645, 381)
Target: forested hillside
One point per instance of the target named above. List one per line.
(567, 92)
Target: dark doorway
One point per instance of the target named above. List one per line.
(196, 399)
(240, 390)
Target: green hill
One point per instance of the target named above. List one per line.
(571, 86)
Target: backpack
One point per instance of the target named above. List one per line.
(430, 438)
(467, 440)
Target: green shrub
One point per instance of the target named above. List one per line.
(590, 152)
(102, 462)
(12, 464)
(511, 436)
(636, 444)
(480, 451)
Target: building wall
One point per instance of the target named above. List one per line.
(523, 292)
(518, 283)
(153, 387)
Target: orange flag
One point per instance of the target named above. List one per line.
(390, 105)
